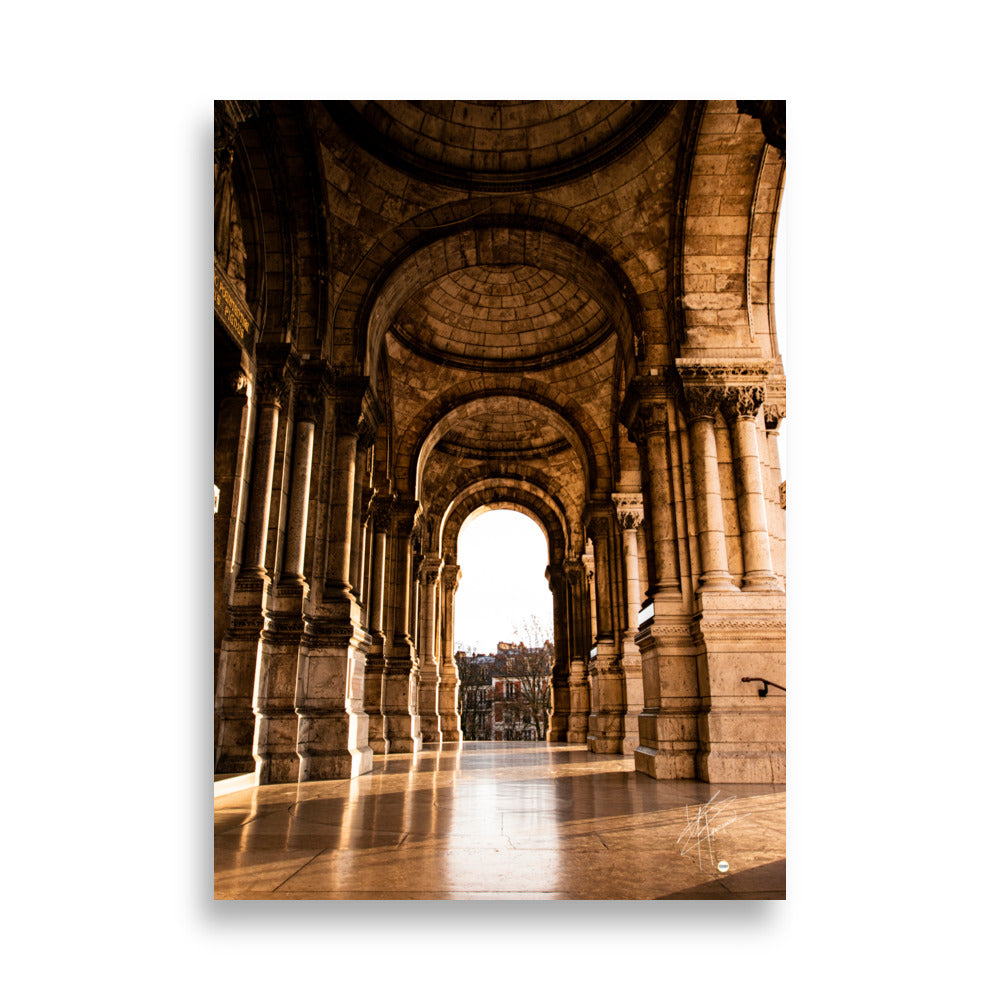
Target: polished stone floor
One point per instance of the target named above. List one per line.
(501, 821)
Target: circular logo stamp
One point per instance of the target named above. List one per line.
(723, 866)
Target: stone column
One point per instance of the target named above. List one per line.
(430, 680)
(773, 416)
(702, 403)
(332, 737)
(233, 444)
(448, 693)
(578, 601)
(276, 728)
(379, 521)
(401, 675)
(740, 407)
(238, 654)
(667, 725)
(607, 692)
(630, 515)
(559, 708)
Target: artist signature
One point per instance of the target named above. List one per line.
(703, 826)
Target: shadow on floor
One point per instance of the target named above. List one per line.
(765, 882)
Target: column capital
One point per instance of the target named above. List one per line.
(741, 402)
(450, 575)
(430, 568)
(629, 508)
(736, 387)
(774, 413)
(380, 512)
(271, 387)
(309, 402)
(644, 408)
(358, 410)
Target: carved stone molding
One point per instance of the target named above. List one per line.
(358, 410)
(309, 402)
(380, 513)
(629, 509)
(430, 568)
(282, 627)
(741, 626)
(271, 387)
(244, 623)
(741, 402)
(450, 576)
(237, 381)
(701, 402)
(644, 409)
(774, 413)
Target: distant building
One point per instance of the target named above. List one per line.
(505, 695)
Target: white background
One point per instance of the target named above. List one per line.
(892, 212)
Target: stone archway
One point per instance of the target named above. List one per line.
(560, 306)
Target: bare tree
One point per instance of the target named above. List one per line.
(530, 663)
(476, 694)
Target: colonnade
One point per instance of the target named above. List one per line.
(337, 633)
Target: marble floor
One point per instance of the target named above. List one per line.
(497, 821)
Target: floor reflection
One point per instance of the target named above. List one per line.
(503, 821)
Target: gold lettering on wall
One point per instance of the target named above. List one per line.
(229, 309)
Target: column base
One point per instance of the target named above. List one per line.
(233, 753)
(401, 721)
(275, 748)
(665, 765)
(742, 766)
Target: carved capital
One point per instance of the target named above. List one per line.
(741, 402)
(237, 381)
(629, 508)
(644, 409)
(430, 568)
(774, 413)
(380, 513)
(450, 575)
(309, 402)
(701, 401)
(271, 386)
(358, 411)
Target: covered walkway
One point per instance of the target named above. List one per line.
(501, 821)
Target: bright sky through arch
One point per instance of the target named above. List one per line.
(503, 555)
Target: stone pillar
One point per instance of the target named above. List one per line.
(401, 676)
(238, 655)
(702, 403)
(559, 707)
(276, 728)
(578, 600)
(448, 693)
(233, 443)
(740, 407)
(332, 737)
(630, 515)
(773, 415)
(430, 680)
(379, 521)
(607, 690)
(667, 725)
